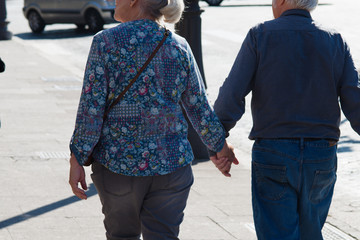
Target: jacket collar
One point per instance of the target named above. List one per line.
(298, 12)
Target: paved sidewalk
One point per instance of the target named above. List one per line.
(38, 104)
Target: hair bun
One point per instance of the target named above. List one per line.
(172, 11)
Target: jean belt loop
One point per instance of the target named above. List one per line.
(302, 143)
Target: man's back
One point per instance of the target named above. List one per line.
(299, 71)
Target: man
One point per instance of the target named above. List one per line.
(297, 73)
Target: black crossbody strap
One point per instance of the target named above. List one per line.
(117, 100)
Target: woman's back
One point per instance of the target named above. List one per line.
(146, 133)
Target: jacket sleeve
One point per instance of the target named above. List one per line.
(92, 104)
(199, 110)
(230, 103)
(350, 91)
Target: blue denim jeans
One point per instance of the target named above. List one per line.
(292, 187)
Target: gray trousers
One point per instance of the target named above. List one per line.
(151, 206)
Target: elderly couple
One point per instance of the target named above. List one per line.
(297, 72)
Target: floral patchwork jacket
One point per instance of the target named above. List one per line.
(145, 134)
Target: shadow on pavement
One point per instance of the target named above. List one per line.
(343, 121)
(345, 140)
(63, 33)
(55, 34)
(344, 149)
(44, 209)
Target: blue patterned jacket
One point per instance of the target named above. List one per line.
(146, 133)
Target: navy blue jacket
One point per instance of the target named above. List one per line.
(298, 73)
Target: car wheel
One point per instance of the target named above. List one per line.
(36, 23)
(94, 21)
(80, 26)
(214, 2)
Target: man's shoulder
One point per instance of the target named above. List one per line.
(326, 29)
(265, 26)
(260, 26)
(280, 24)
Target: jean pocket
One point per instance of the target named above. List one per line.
(324, 182)
(180, 179)
(270, 180)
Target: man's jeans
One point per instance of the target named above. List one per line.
(292, 187)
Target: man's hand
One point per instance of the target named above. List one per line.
(224, 159)
(77, 174)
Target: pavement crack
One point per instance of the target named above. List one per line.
(221, 210)
(222, 227)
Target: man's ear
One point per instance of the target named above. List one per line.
(281, 2)
(133, 2)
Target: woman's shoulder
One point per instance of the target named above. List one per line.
(115, 36)
(120, 29)
(180, 43)
(139, 30)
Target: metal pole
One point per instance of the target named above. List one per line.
(189, 27)
(4, 33)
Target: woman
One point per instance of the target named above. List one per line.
(142, 156)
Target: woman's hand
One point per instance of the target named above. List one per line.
(224, 159)
(77, 174)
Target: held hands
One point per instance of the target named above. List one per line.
(77, 174)
(224, 159)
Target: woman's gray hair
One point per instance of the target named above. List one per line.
(168, 10)
(304, 4)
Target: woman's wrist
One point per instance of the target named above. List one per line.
(73, 160)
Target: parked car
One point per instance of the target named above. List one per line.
(93, 13)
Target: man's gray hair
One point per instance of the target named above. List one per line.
(304, 4)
